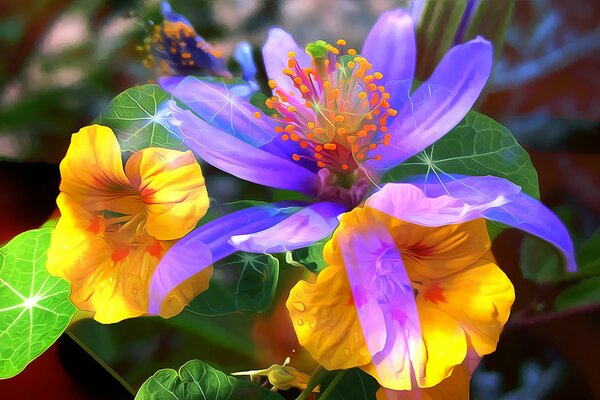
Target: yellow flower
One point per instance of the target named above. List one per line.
(461, 299)
(117, 222)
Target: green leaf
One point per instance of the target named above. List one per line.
(242, 282)
(584, 292)
(477, 146)
(539, 261)
(588, 256)
(134, 117)
(34, 305)
(310, 257)
(197, 380)
(354, 385)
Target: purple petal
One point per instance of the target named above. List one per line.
(439, 104)
(391, 48)
(208, 244)
(459, 199)
(237, 157)
(384, 301)
(312, 223)
(218, 104)
(275, 54)
(243, 56)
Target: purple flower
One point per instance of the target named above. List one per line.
(339, 120)
(179, 50)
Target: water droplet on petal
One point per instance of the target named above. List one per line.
(347, 352)
(300, 322)
(298, 306)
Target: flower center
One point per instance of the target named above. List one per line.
(342, 113)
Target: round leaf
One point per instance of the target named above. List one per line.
(242, 282)
(34, 305)
(135, 117)
(477, 146)
(197, 380)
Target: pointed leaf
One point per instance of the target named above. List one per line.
(197, 380)
(477, 146)
(135, 116)
(34, 305)
(243, 282)
(587, 291)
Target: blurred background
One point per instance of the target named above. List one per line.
(63, 61)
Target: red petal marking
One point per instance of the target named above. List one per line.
(95, 226)
(155, 250)
(435, 294)
(119, 254)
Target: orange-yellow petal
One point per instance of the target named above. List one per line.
(172, 189)
(76, 244)
(445, 344)
(92, 172)
(326, 321)
(454, 387)
(479, 299)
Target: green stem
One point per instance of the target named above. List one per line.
(102, 363)
(332, 385)
(317, 376)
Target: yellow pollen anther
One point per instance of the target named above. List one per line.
(291, 54)
(345, 167)
(360, 156)
(335, 93)
(369, 116)
(289, 127)
(294, 137)
(303, 144)
(291, 109)
(378, 157)
(272, 84)
(392, 112)
(341, 42)
(352, 52)
(319, 131)
(362, 95)
(330, 146)
(295, 157)
(372, 146)
(256, 114)
(318, 148)
(288, 72)
(320, 164)
(311, 125)
(285, 137)
(304, 89)
(378, 75)
(278, 129)
(341, 130)
(351, 64)
(318, 156)
(339, 118)
(351, 139)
